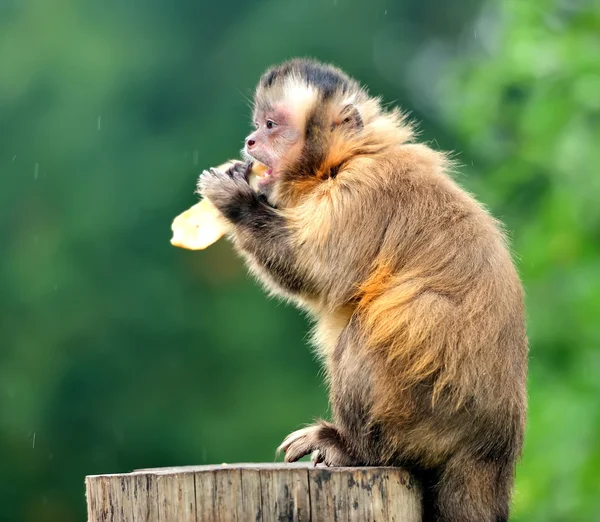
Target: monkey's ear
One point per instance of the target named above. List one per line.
(349, 118)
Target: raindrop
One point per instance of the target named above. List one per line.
(33, 446)
(99, 122)
(196, 157)
(36, 171)
(14, 157)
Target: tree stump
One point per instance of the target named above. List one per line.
(254, 492)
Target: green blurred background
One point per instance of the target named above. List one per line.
(119, 351)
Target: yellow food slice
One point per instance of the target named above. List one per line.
(202, 225)
(258, 171)
(198, 227)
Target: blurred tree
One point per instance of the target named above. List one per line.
(119, 351)
(526, 107)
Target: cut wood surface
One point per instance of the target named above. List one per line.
(254, 492)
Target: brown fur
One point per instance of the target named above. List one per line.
(418, 308)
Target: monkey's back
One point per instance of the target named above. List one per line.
(441, 319)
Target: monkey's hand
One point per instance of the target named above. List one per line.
(260, 229)
(227, 190)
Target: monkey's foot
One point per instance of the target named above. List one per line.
(321, 440)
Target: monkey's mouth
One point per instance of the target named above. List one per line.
(267, 178)
(267, 173)
(264, 173)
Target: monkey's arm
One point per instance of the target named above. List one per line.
(324, 247)
(260, 230)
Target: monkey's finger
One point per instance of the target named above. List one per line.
(240, 171)
(246, 169)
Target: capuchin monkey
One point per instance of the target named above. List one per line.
(418, 309)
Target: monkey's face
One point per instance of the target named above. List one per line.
(303, 113)
(275, 138)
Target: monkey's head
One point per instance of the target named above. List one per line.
(309, 119)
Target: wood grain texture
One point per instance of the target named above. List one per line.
(254, 493)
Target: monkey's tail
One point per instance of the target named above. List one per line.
(467, 490)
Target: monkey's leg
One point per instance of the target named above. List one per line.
(322, 440)
(470, 490)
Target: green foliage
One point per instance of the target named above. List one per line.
(120, 351)
(528, 115)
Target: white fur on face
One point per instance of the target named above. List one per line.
(300, 97)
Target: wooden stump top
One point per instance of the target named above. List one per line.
(254, 492)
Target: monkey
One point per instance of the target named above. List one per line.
(418, 308)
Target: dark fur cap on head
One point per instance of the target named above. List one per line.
(327, 79)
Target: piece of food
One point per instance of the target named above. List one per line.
(202, 225)
(198, 227)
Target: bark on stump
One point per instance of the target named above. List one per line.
(254, 492)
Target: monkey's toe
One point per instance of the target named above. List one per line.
(321, 441)
(294, 436)
(317, 457)
(299, 443)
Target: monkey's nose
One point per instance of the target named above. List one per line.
(250, 143)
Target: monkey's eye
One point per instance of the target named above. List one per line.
(270, 124)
